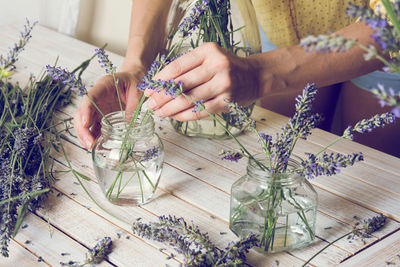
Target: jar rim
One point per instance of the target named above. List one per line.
(289, 177)
(110, 120)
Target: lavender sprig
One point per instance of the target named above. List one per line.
(67, 78)
(7, 63)
(231, 155)
(368, 227)
(388, 98)
(367, 125)
(96, 255)
(191, 22)
(195, 246)
(105, 61)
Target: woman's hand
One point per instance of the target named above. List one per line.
(209, 73)
(87, 118)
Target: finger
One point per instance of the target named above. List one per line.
(213, 106)
(192, 79)
(204, 92)
(84, 118)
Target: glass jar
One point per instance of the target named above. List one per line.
(128, 160)
(232, 25)
(280, 207)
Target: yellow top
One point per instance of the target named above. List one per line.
(285, 22)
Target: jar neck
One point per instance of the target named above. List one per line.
(116, 125)
(289, 177)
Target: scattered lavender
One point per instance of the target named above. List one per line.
(231, 155)
(191, 22)
(195, 246)
(7, 63)
(96, 255)
(67, 78)
(105, 61)
(362, 229)
(100, 251)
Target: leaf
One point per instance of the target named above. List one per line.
(20, 218)
(82, 175)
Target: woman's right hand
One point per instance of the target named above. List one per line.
(87, 118)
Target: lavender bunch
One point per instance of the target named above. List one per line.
(386, 34)
(191, 22)
(25, 145)
(195, 246)
(7, 62)
(362, 229)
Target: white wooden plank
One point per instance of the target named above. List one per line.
(384, 253)
(20, 257)
(50, 243)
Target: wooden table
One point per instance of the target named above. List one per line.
(194, 184)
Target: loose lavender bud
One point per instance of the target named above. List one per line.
(233, 156)
(105, 61)
(191, 22)
(67, 78)
(8, 62)
(100, 251)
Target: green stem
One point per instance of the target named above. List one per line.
(392, 15)
(329, 244)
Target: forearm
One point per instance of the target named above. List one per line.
(292, 67)
(146, 34)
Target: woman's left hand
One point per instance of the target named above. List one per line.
(209, 73)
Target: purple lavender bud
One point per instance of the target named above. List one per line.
(199, 106)
(67, 78)
(233, 156)
(191, 22)
(105, 61)
(100, 251)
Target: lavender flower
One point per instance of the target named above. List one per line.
(388, 98)
(149, 154)
(67, 78)
(199, 106)
(231, 155)
(105, 61)
(239, 116)
(100, 251)
(191, 22)
(367, 125)
(327, 164)
(327, 43)
(195, 246)
(8, 62)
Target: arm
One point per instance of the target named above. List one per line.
(292, 67)
(146, 38)
(213, 74)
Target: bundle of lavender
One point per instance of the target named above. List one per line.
(27, 135)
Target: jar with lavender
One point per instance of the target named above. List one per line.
(232, 24)
(279, 207)
(128, 158)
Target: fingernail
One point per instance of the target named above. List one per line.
(87, 142)
(159, 113)
(152, 103)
